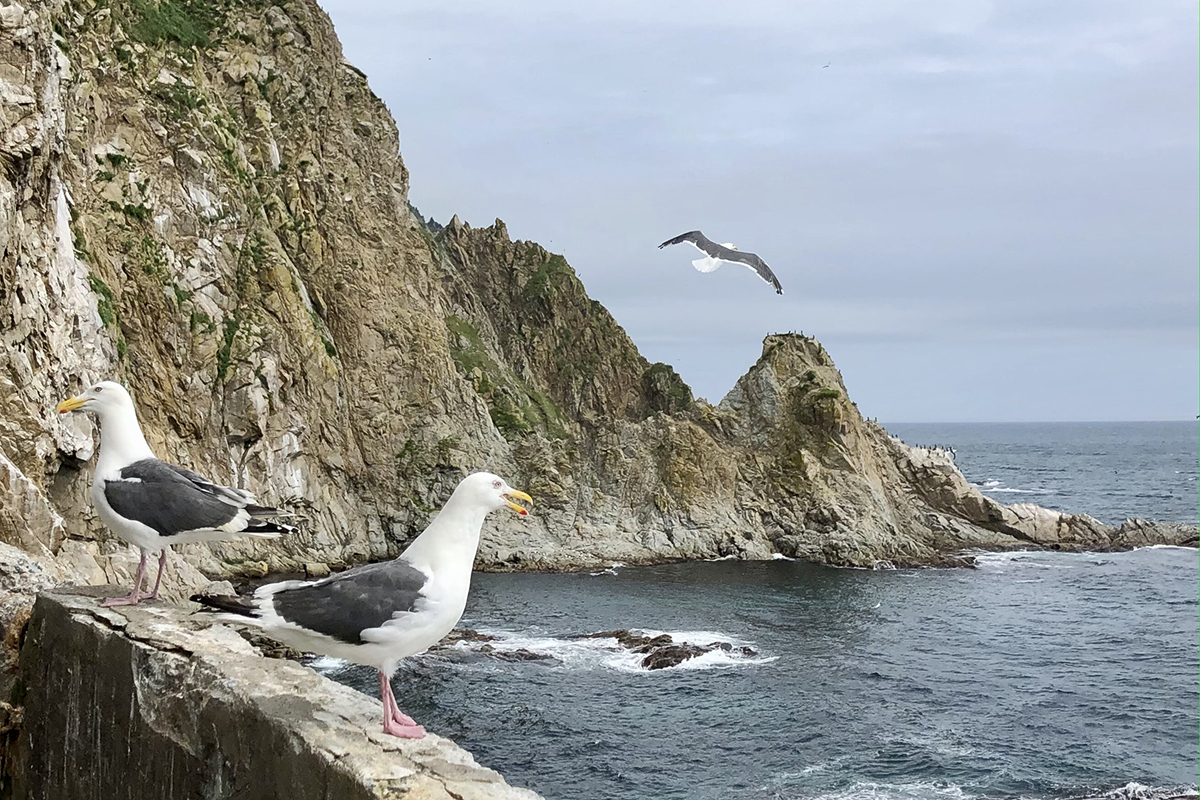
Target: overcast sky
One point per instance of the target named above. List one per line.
(985, 211)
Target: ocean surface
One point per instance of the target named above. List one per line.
(1037, 675)
(1111, 470)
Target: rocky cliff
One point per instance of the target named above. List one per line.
(205, 201)
(153, 703)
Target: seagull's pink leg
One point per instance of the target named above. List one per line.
(385, 690)
(133, 597)
(162, 565)
(395, 722)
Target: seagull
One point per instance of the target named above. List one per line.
(152, 504)
(717, 254)
(377, 614)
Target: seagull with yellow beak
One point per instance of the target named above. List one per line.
(377, 614)
(152, 504)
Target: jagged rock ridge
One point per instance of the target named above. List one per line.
(207, 202)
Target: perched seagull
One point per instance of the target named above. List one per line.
(377, 614)
(152, 504)
(717, 254)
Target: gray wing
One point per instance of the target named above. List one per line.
(353, 601)
(237, 497)
(697, 238)
(155, 494)
(753, 262)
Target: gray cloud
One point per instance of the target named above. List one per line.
(971, 190)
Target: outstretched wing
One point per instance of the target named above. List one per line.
(753, 262)
(694, 238)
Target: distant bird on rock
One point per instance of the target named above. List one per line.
(717, 254)
(152, 504)
(377, 614)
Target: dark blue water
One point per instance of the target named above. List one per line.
(1111, 470)
(1038, 675)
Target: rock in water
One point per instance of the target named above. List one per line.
(662, 651)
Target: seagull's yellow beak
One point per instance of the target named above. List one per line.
(73, 404)
(519, 496)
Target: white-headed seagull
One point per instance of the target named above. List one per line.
(377, 614)
(152, 504)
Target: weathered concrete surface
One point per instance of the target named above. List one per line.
(152, 703)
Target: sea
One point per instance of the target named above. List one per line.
(1036, 675)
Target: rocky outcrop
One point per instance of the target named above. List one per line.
(206, 202)
(149, 702)
(662, 651)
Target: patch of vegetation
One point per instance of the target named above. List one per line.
(665, 390)
(826, 394)
(181, 295)
(104, 300)
(137, 212)
(201, 321)
(104, 175)
(542, 283)
(319, 327)
(472, 354)
(507, 418)
(516, 408)
(225, 353)
(182, 97)
(81, 250)
(122, 347)
(115, 160)
(185, 22)
(154, 258)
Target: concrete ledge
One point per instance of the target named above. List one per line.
(151, 703)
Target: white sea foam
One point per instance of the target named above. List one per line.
(781, 557)
(998, 487)
(611, 569)
(606, 653)
(1164, 547)
(920, 790)
(1140, 791)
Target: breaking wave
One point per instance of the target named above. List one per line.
(608, 653)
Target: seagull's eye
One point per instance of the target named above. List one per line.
(496, 484)
(97, 388)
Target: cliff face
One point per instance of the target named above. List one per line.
(206, 202)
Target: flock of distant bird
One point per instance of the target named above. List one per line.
(372, 615)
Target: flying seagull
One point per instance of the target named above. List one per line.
(377, 614)
(717, 254)
(152, 504)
